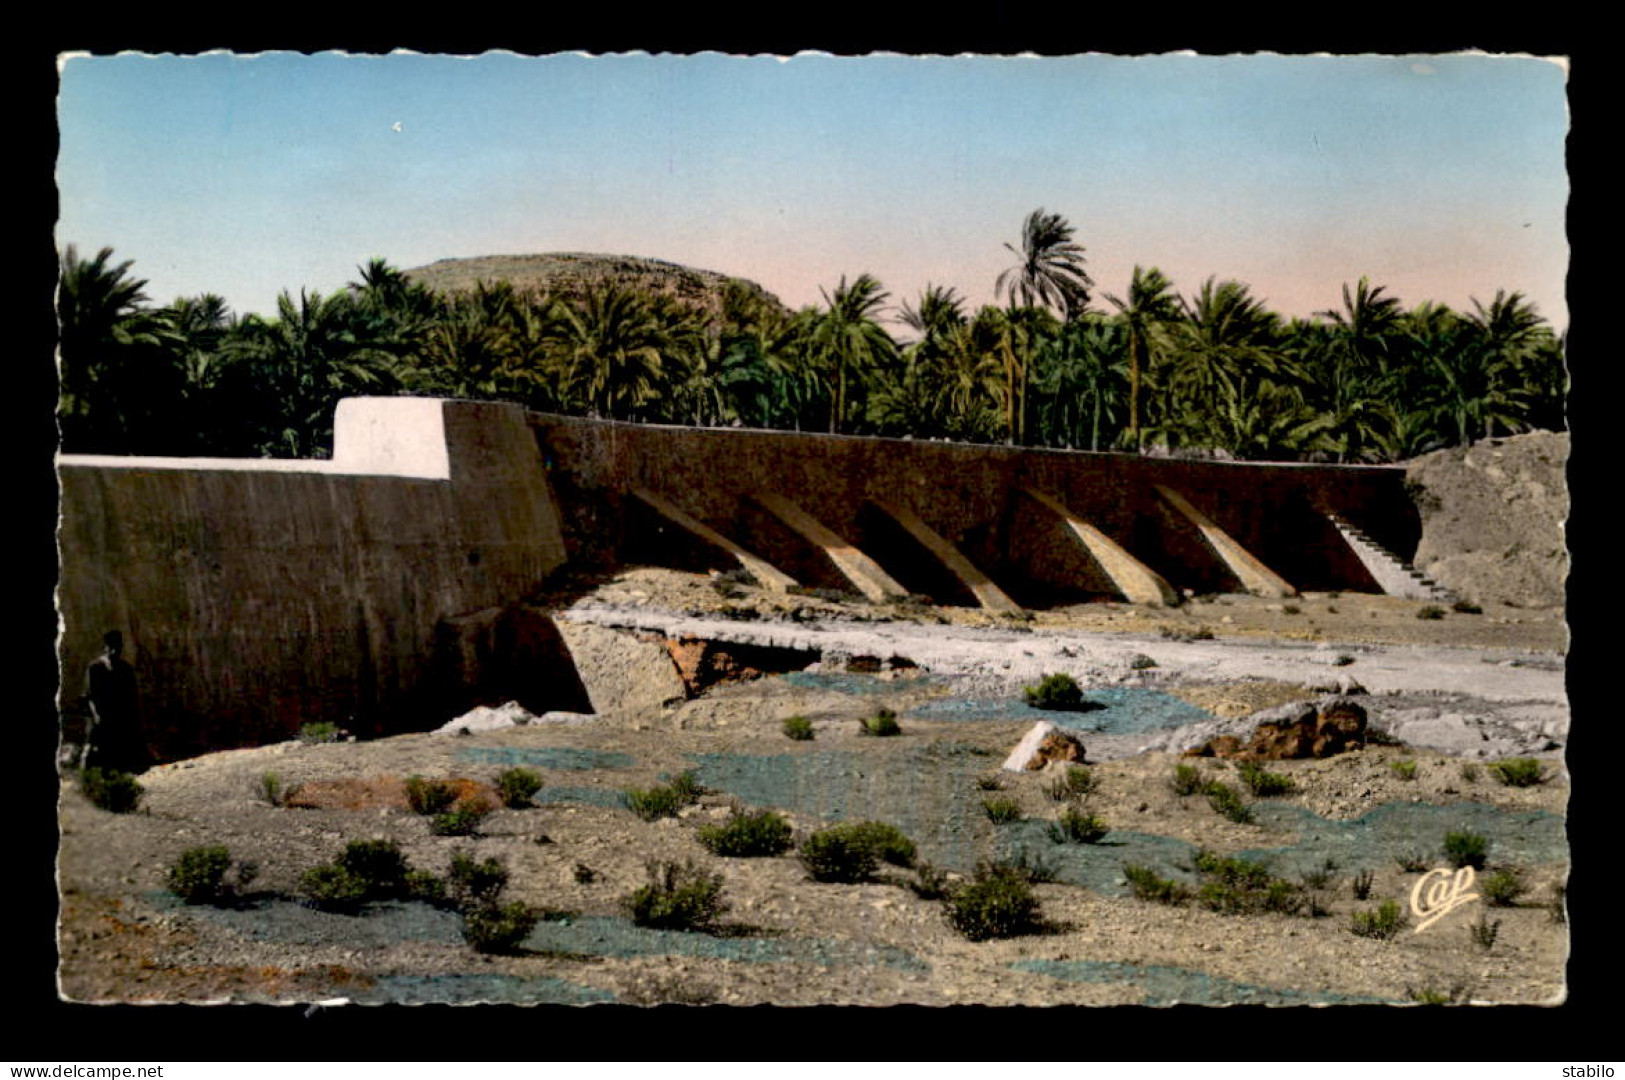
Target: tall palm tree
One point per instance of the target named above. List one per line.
(848, 338)
(1050, 273)
(1080, 369)
(613, 349)
(1151, 305)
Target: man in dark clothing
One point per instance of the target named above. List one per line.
(114, 740)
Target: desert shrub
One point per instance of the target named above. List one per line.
(1383, 923)
(1146, 885)
(1412, 862)
(320, 732)
(422, 885)
(1187, 780)
(1503, 887)
(837, 854)
(1076, 783)
(1076, 827)
(198, 876)
(1262, 783)
(1484, 932)
(1518, 772)
(798, 728)
(111, 790)
(677, 897)
(1470, 773)
(516, 787)
(475, 884)
(270, 789)
(1001, 811)
(1224, 799)
(882, 723)
(330, 887)
(1316, 879)
(887, 841)
(1057, 691)
(463, 821)
(1361, 884)
(930, 883)
(664, 800)
(495, 929)
(1180, 633)
(1291, 609)
(378, 863)
(429, 797)
(761, 834)
(1237, 886)
(989, 783)
(1405, 770)
(1466, 849)
(997, 902)
(1466, 607)
(1431, 611)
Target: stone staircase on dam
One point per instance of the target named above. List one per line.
(1396, 576)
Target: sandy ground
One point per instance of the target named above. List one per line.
(1459, 691)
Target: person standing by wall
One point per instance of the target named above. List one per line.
(114, 739)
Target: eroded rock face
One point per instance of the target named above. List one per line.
(1492, 518)
(703, 664)
(1298, 730)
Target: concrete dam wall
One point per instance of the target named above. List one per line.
(387, 589)
(256, 596)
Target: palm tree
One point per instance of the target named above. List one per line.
(1151, 304)
(848, 338)
(612, 348)
(1081, 364)
(1050, 273)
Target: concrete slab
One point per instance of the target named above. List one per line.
(863, 572)
(763, 571)
(1254, 576)
(987, 594)
(1138, 583)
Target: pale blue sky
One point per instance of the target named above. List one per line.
(1440, 177)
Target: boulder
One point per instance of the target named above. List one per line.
(1296, 730)
(487, 718)
(1044, 743)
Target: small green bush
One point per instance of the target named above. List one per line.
(319, 732)
(1264, 784)
(1076, 827)
(887, 841)
(1405, 770)
(198, 877)
(837, 854)
(1057, 691)
(330, 887)
(1187, 780)
(379, 864)
(997, 902)
(475, 884)
(270, 789)
(1431, 611)
(761, 834)
(422, 885)
(1146, 885)
(463, 821)
(1466, 607)
(1412, 862)
(1518, 772)
(1077, 783)
(883, 723)
(1037, 869)
(687, 786)
(1382, 924)
(1466, 849)
(499, 930)
(429, 797)
(664, 800)
(111, 790)
(516, 787)
(1470, 773)
(1503, 886)
(1361, 884)
(677, 897)
(1002, 810)
(798, 728)
(930, 883)
(1224, 799)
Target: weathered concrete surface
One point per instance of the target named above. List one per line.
(1254, 576)
(254, 598)
(1492, 519)
(763, 571)
(863, 572)
(624, 674)
(987, 594)
(1137, 582)
(1272, 510)
(1394, 576)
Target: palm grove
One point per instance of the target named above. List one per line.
(1366, 381)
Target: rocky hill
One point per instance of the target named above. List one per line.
(1492, 518)
(573, 274)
